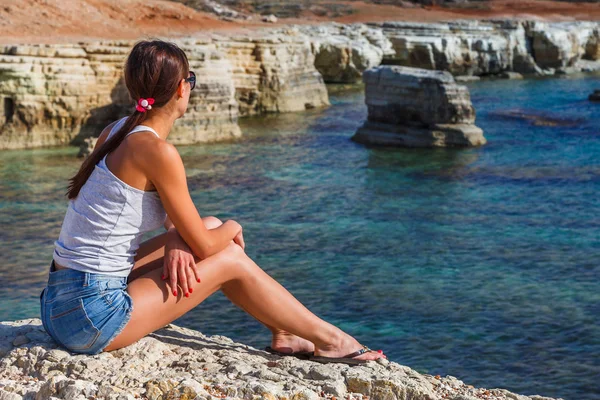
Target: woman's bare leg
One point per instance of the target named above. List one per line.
(281, 340)
(153, 249)
(232, 270)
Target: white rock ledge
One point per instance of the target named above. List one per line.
(178, 363)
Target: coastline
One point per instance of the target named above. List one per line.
(229, 55)
(59, 94)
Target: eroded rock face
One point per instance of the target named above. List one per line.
(464, 48)
(343, 52)
(180, 363)
(417, 108)
(61, 94)
(47, 93)
(273, 72)
(54, 94)
(560, 45)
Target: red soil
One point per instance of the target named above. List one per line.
(70, 21)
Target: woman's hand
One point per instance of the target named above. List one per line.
(179, 263)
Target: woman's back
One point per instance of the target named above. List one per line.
(103, 225)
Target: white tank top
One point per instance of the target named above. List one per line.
(104, 224)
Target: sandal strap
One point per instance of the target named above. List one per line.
(364, 350)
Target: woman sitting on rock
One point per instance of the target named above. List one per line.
(106, 290)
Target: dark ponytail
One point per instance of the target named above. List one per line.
(153, 69)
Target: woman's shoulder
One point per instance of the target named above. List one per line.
(158, 157)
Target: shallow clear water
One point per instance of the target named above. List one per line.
(479, 263)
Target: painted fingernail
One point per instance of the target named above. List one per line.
(198, 279)
(380, 351)
(191, 290)
(162, 277)
(174, 292)
(187, 295)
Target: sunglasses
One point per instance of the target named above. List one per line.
(191, 80)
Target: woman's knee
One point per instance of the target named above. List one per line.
(212, 222)
(240, 263)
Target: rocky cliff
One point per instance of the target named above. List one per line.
(481, 48)
(177, 363)
(60, 94)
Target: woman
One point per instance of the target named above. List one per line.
(106, 290)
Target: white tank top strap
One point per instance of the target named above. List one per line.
(116, 127)
(138, 128)
(143, 128)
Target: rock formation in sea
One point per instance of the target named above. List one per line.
(414, 107)
(595, 96)
(178, 363)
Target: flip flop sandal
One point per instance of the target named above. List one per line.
(347, 359)
(303, 355)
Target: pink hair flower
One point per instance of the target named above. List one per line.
(144, 104)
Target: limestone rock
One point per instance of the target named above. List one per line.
(177, 363)
(584, 65)
(87, 146)
(489, 47)
(216, 8)
(212, 113)
(592, 47)
(62, 94)
(467, 78)
(341, 60)
(343, 52)
(59, 94)
(460, 47)
(270, 18)
(562, 44)
(511, 75)
(273, 73)
(417, 108)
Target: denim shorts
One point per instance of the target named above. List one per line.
(84, 311)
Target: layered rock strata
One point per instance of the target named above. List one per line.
(463, 48)
(273, 73)
(180, 363)
(413, 107)
(61, 94)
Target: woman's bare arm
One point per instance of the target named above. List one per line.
(164, 168)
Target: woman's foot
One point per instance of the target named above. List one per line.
(285, 342)
(345, 345)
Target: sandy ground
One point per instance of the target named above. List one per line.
(71, 21)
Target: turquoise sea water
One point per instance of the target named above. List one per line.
(479, 263)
